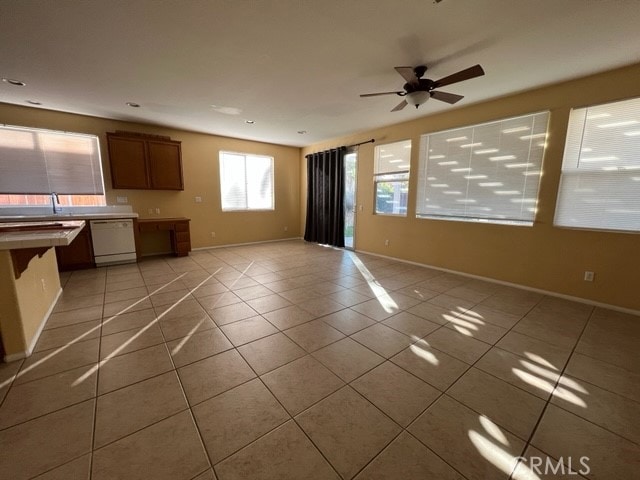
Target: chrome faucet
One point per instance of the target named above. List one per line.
(54, 202)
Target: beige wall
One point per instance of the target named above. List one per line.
(541, 256)
(201, 178)
(26, 301)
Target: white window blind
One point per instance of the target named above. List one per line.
(600, 182)
(484, 173)
(391, 177)
(246, 182)
(34, 161)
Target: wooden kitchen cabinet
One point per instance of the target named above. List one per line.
(141, 161)
(78, 254)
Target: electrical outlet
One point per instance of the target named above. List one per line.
(286, 229)
(157, 211)
(360, 208)
(213, 234)
(588, 276)
(44, 285)
(122, 199)
(151, 211)
(198, 199)
(386, 243)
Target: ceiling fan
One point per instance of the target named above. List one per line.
(418, 90)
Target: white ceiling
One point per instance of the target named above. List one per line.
(293, 65)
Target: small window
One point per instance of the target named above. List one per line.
(35, 163)
(391, 177)
(246, 182)
(600, 182)
(483, 173)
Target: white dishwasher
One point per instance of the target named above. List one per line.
(113, 241)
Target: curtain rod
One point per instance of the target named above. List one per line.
(361, 143)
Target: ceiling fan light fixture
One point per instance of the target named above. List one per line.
(417, 98)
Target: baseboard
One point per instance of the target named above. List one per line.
(27, 353)
(247, 243)
(457, 272)
(510, 284)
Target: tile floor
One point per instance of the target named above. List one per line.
(293, 361)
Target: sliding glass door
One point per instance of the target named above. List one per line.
(350, 180)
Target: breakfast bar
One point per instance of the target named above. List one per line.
(29, 280)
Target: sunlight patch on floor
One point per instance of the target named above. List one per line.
(88, 332)
(420, 349)
(124, 345)
(385, 300)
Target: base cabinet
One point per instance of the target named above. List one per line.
(78, 254)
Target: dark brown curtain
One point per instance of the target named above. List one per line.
(325, 197)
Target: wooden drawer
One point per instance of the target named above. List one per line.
(182, 226)
(166, 226)
(182, 237)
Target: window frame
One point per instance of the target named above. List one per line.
(399, 178)
(221, 153)
(471, 135)
(52, 166)
(576, 167)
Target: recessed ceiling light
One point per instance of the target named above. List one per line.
(133, 104)
(33, 102)
(13, 81)
(302, 132)
(250, 122)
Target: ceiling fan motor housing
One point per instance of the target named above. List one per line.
(418, 90)
(423, 85)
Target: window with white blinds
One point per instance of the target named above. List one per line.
(35, 161)
(246, 182)
(600, 182)
(483, 173)
(391, 177)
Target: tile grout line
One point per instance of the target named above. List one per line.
(291, 417)
(548, 402)
(95, 401)
(389, 359)
(347, 384)
(184, 395)
(189, 406)
(444, 392)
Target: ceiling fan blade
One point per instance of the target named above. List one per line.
(400, 106)
(447, 97)
(409, 74)
(461, 76)
(381, 93)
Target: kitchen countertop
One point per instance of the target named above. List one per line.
(22, 234)
(63, 217)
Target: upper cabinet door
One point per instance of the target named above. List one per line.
(128, 162)
(143, 161)
(165, 165)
